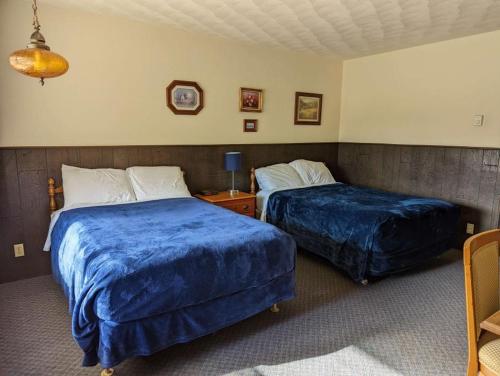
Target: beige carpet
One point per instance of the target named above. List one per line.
(413, 323)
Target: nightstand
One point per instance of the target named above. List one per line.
(242, 203)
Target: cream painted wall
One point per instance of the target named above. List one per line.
(425, 95)
(114, 92)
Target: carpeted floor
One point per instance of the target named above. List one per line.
(413, 322)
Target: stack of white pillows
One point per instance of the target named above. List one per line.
(83, 186)
(299, 173)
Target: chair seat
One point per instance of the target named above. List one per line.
(489, 355)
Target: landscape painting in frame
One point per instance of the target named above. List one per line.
(250, 100)
(184, 97)
(308, 108)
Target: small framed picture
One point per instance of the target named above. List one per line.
(250, 100)
(250, 125)
(184, 97)
(308, 108)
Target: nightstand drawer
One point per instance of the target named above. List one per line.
(246, 207)
(242, 203)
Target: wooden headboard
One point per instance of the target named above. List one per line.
(53, 191)
(252, 180)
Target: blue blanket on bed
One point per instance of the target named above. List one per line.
(363, 231)
(121, 265)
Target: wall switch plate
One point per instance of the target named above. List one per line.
(469, 228)
(19, 250)
(478, 120)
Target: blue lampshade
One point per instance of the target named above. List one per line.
(232, 161)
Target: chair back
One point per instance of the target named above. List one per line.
(481, 268)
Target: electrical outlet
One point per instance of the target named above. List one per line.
(19, 250)
(469, 229)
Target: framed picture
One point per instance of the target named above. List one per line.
(250, 100)
(184, 97)
(308, 108)
(250, 125)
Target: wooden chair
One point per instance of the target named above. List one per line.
(482, 300)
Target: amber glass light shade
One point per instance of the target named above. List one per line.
(38, 62)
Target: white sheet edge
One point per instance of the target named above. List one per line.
(55, 215)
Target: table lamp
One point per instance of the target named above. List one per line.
(232, 162)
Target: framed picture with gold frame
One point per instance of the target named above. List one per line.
(250, 100)
(308, 108)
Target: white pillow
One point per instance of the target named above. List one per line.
(83, 186)
(278, 176)
(154, 183)
(313, 172)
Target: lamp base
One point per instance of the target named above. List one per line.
(234, 192)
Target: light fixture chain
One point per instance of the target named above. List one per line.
(36, 24)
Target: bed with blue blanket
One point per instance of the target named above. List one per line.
(366, 232)
(143, 276)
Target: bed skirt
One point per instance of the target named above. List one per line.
(122, 340)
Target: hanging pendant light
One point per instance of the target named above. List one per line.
(36, 60)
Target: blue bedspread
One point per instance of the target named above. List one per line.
(142, 276)
(363, 231)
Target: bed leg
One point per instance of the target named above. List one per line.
(275, 309)
(107, 372)
(364, 282)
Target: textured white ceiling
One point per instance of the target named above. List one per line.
(345, 28)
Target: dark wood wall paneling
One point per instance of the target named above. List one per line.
(24, 172)
(469, 177)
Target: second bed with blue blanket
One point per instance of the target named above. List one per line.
(143, 276)
(365, 232)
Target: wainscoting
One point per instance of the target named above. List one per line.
(469, 177)
(24, 172)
